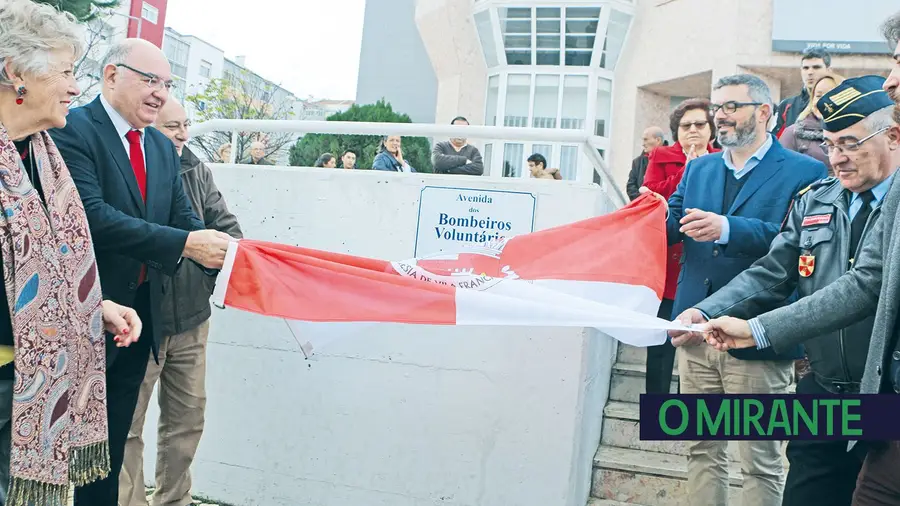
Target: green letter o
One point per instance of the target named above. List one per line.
(684, 417)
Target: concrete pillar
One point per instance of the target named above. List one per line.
(451, 40)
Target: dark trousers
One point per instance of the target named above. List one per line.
(822, 473)
(125, 368)
(6, 407)
(661, 358)
(879, 480)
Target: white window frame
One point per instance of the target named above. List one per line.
(206, 65)
(593, 72)
(150, 13)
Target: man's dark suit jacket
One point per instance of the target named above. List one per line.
(754, 220)
(127, 232)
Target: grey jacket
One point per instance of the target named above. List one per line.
(837, 358)
(858, 294)
(186, 295)
(446, 160)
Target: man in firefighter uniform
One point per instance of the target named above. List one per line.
(820, 237)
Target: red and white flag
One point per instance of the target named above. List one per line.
(606, 272)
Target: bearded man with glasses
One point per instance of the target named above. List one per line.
(141, 222)
(726, 210)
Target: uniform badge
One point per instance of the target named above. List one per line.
(816, 219)
(807, 265)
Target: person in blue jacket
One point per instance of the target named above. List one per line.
(390, 156)
(727, 210)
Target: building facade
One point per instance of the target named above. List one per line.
(143, 19)
(610, 68)
(393, 62)
(196, 62)
(319, 110)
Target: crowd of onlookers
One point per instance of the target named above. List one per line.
(453, 156)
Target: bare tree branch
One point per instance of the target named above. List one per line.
(244, 96)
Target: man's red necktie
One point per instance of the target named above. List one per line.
(136, 153)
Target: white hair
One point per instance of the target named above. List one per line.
(118, 53)
(30, 31)
(880, 119)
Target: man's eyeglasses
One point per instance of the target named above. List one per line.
(731, 106)
(696, 124)
(152, 81)
(848, 147)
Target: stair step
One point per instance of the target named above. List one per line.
(644, 477)
(631, 354)
(627, 383)
(621, 428)
(638, 370)
(593, 501)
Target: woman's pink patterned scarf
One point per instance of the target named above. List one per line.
(59, 427)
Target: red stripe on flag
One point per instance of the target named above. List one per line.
(627, 246)
(312, 285)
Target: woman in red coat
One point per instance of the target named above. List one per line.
(693, 126)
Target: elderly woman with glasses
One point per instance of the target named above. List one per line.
(693, 129)
(53, 430)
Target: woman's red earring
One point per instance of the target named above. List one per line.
(20, 95)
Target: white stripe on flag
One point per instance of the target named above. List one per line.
(218, 295)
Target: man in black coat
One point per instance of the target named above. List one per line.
(142, 224)
(653, 138)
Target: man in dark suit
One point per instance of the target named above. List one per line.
(141, 222)
(727, 210)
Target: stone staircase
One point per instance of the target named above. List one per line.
(630, 471)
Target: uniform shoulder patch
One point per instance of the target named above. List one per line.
(818, 184)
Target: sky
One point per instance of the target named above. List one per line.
(309, 47)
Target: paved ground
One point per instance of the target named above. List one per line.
(197, 502)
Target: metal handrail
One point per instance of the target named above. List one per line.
(590, 144)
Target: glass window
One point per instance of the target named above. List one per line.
(516, 24)
(545, 57)
(176, 50)
(486, 34)
(488, 155)
(604, 101)
(546, 100)
(583, 12)
(581, 31)
(493, 95)
(512, 159)
(150, 13)
(546, 150)
(574, 106)
(548, 42)
(179, 70)
(547, 12)
(615, 38)
(568, 163)
(205, 68)
(518, 57)
(518, 92)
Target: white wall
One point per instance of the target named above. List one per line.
(400, 415)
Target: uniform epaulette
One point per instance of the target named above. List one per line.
(818, 184)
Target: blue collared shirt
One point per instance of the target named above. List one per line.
(878, 191)
(738, 174)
